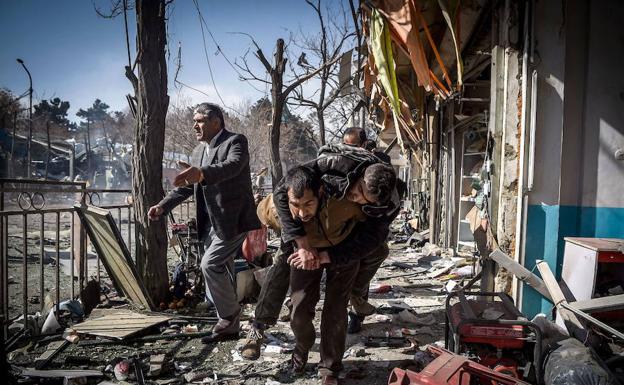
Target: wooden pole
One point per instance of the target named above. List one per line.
(521, 273)
(572, 323)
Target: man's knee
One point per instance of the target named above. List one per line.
(209, 267)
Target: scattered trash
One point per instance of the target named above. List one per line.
(71, 336)
(450, 286)
(197, 375)
(51, 324)
(379, 289)
(122, 369)
(236, 356)
(413, 348)
(406, 317)
(271, 348)
(190, 329)
(155, 365)
(422, 359)
(355, 351)
(182, 366)
(386, 341)
(573, 363)
(382, 318)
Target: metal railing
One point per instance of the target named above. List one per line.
(34, 214)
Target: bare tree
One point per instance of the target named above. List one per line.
(279, 96)
(150, 88)
(326, 46)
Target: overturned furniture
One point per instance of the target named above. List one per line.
(113, 253)
(495, 332)
(451, 369)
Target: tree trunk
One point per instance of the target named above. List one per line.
(274, 139)
(152, 98)
(277, 100)
(321, 122)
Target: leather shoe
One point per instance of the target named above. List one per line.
(218, 337)
(355, 323)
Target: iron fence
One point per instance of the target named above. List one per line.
(39, 213)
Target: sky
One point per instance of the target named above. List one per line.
(75, 55)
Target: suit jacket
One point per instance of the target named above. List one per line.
(226, 188)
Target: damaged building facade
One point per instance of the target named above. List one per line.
(509, 122)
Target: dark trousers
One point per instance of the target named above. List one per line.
(275, 287)
(367, 269)
(305, 294)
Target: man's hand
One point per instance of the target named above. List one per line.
(302, 243)
(155, 212)
(303, 259)
(190, 175)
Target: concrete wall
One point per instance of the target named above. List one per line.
(578, 185)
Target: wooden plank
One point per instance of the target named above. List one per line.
(52, 350)
(521, 272)
(571, 320)
(612, 302)
(60, 373)
(119, 325)
(597, 244)
(113, 253)
(591, 319)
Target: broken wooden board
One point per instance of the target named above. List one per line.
(520, 272)
(52, 350)
(119, 324)
(612, 302)
(61, 373)
(113, 253)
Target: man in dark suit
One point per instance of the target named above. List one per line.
(219, 178)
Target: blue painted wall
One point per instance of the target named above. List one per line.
(546, 228)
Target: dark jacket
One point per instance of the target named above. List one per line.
(226, 188)
(339, 166)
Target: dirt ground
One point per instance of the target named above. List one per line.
(364, 363)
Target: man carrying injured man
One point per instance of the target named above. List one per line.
(348, 174)
(327, 221)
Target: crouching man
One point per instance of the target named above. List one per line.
(327, 222)
(357, 176)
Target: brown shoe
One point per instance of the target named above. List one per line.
(251, 349)
(329, 380)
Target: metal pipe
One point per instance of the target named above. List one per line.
(41, 256)
(58, 261)
(5, 277)
(72, 258)
(30, 126)
(25, 270)
(533, 127)
(129, 229)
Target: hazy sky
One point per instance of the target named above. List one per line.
(78, 56)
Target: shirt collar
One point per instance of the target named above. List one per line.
(216, 137)
(212, 143)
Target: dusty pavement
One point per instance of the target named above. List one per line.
(409, 315)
